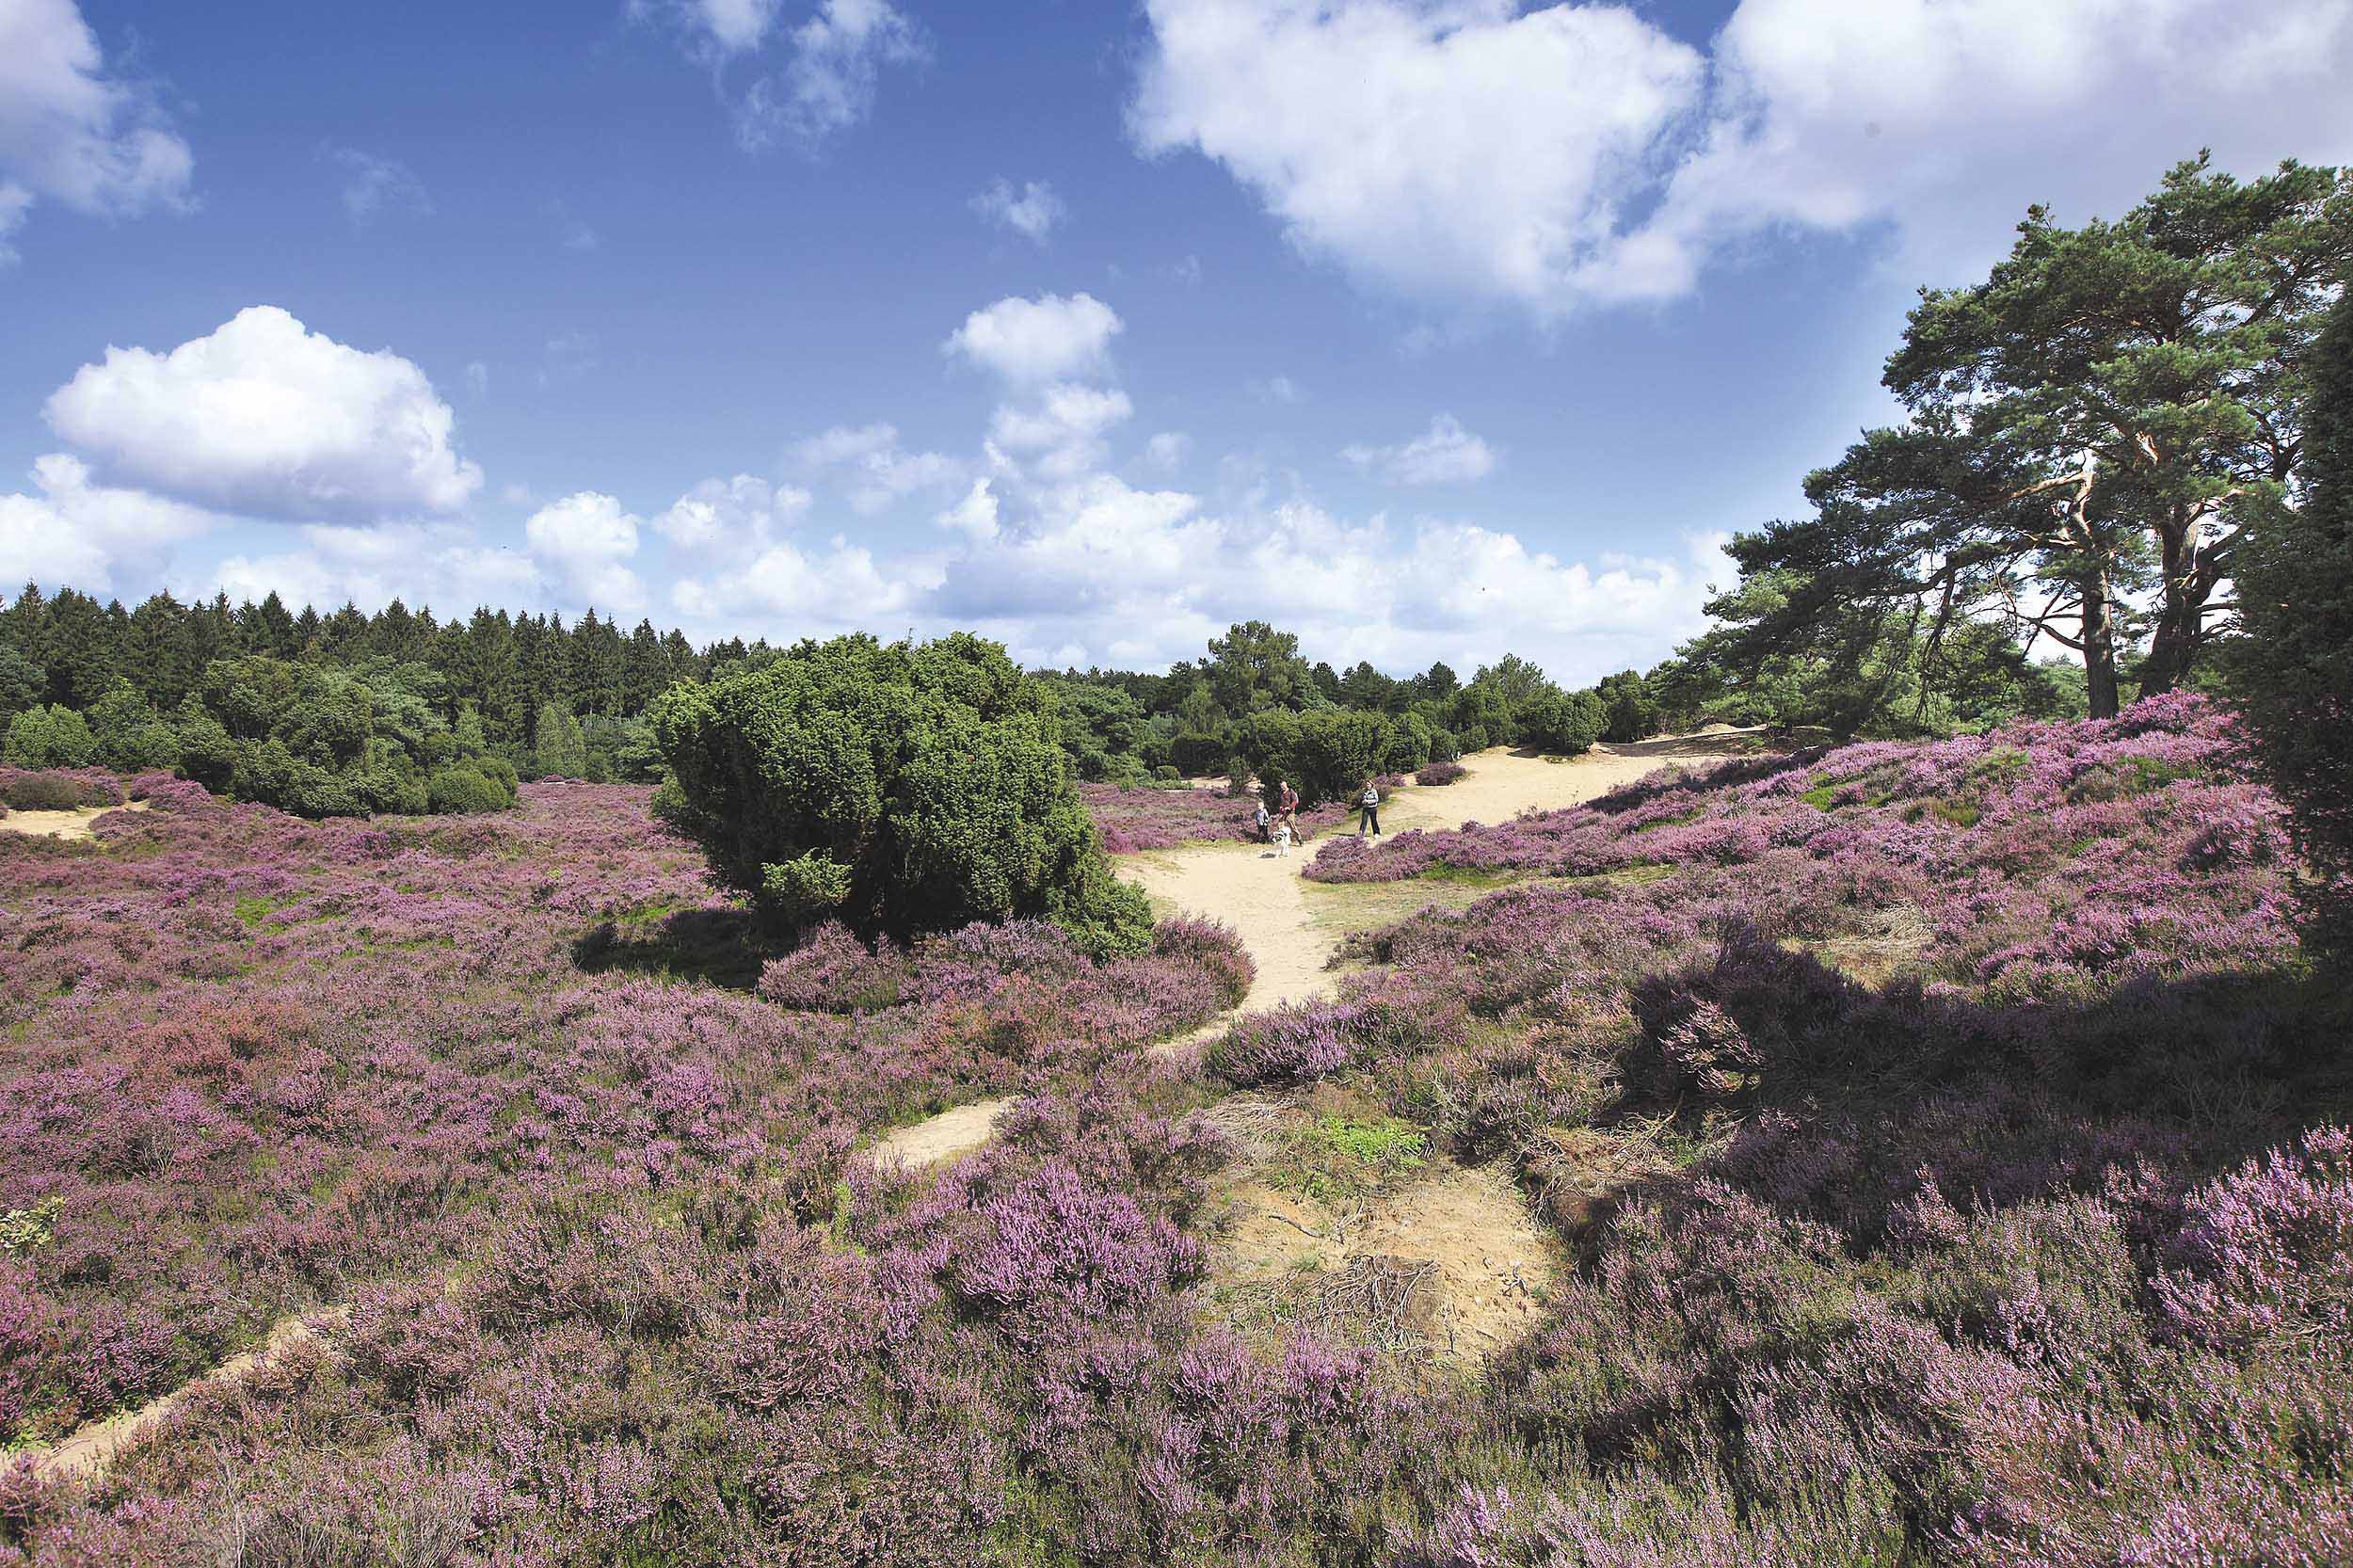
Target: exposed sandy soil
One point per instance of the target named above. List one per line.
(61, 824)
(1454, 1264)
(1263, 897)
(944, 1136)
(92, 1449)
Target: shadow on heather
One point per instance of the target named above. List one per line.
(715, 946)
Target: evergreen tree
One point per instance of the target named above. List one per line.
(559, 749)
(2297, 597)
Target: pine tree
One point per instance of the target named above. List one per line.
(2295, 590)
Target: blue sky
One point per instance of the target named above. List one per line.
(1426, 328)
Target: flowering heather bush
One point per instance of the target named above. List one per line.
(1136, 820)
(2039, 856)
(254, 1062)
(1967, 1184)
(1440, 772)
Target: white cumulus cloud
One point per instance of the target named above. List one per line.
(426, 565)
(1448, 454)
(263, 416)
(1051, 338)
(1553, 156)
(584, 543)
(73, 134)
(732, 517)
(73, 532)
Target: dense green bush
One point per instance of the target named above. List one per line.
(464, 788)
(902, 788)
(2296, 671)
(22, 682)
(1196, 756)
(1631, 711)
(1409, 743)
(1562, 722)
(1325, 753)
(129, 735)
(51, 737)
(208, 753)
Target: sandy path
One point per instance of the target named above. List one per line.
(1265, 900)
(92, 1449)
(70, 823)
(945, 1136)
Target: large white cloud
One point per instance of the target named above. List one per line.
(1452, 149)
(78, 533)
(1051, 338)
(1466, 150)
(265, 417)
(1141, 578)
(73, 134)
(1065, 561)
(584, 543)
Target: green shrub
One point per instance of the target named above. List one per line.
(464, 788)
(902, 788)
(272, 773)
(1325, 753)
(1565, 723)
(1409, 745)
(1631, 711)
(207, 752)
(52, 737)
(1193, 756)
(130, 738)
(559, 748)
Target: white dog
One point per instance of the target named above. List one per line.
(1281, 839)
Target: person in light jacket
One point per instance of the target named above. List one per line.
(1369, 806)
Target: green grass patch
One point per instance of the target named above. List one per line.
(1343, 1156)
(255, 909)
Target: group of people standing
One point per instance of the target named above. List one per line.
(1278, 824)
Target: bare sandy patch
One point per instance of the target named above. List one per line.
(943, 1137)
(91, 1450)
(70, 823)
(1453, 1265)
(1291, 927)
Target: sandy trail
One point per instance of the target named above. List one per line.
(952, 1132)
(94, 1446)
(1264, 898)
(69, 824)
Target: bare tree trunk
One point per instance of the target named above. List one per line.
(2181, 612)
(2099, 640)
